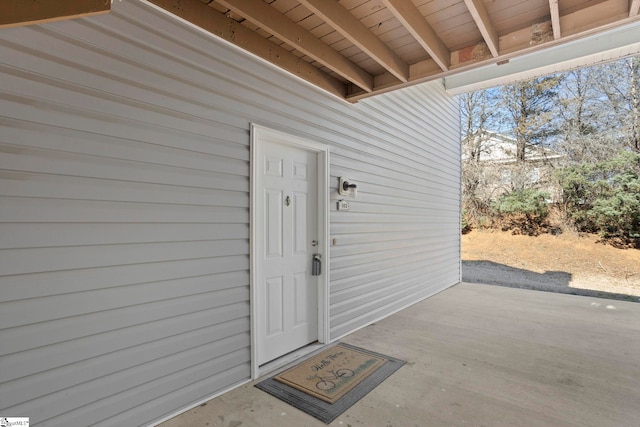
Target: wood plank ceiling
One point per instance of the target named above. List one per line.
(359, 48)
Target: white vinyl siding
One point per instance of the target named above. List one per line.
(398, 242)
(124, 211)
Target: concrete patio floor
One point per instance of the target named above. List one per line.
(480, 355)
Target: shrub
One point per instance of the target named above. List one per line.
(604, 197)
(617, 216)
(523, 211)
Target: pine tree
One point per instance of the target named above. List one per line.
(528, 106)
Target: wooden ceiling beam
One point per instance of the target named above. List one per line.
(604, 15)
(15, 13)
(634, 8)
(478, 11)
(411, 18)
(273, 21)
(554, 10)
(357, 33)
(212, 21)
(608, 13)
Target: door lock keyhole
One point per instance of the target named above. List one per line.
(287, 201)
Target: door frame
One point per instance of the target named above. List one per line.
(261, 134)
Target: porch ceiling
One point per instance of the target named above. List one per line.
(359, 48)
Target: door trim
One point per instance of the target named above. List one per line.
(261, 134)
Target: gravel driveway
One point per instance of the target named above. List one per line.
(491, 273)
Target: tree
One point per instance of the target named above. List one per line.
(584, 135)
(620, 83)
(593, 116)
(528, 106)
(578, 102)
(477, 111)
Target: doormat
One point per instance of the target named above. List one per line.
(329, 383)
(330, 374)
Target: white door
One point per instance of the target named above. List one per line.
(286, 239)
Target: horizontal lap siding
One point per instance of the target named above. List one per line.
(124, 227)
(398, 242)
(124, 211)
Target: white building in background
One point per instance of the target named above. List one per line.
(499, 170)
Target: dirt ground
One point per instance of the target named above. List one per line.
(566, 263)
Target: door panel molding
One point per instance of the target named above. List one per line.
(261, 135)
